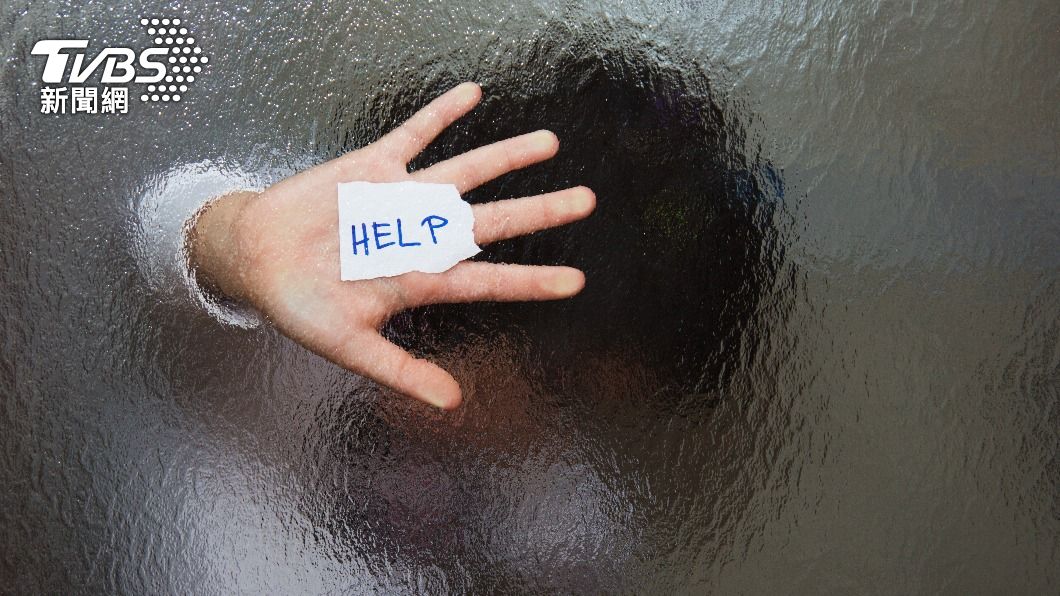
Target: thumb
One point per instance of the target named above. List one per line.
(373, 356)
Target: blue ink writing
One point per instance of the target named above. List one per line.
(381, 229)
(375, 230)
(429, 219)
(401, 241)
(363, 241)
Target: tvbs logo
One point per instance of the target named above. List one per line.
(118, 63)
(167, 69)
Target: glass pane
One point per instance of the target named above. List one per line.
(816, 352)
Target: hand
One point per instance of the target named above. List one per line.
(277, 250)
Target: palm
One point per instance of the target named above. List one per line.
(292, 271)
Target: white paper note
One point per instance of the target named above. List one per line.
(391, 228)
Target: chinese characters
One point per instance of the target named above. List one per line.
(84, 100)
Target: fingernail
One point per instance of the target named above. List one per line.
(440, 400)
(567, 283)
(583, 201)
(468, 86)
(546, 139)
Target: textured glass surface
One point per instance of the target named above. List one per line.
(817, 352)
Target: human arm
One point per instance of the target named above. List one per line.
(276, 250)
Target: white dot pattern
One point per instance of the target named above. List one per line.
(184, 58)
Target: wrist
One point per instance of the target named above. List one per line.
(215, 248)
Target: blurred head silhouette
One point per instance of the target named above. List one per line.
(678, 252)
(678, 256)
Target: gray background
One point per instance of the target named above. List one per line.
(887, 423)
